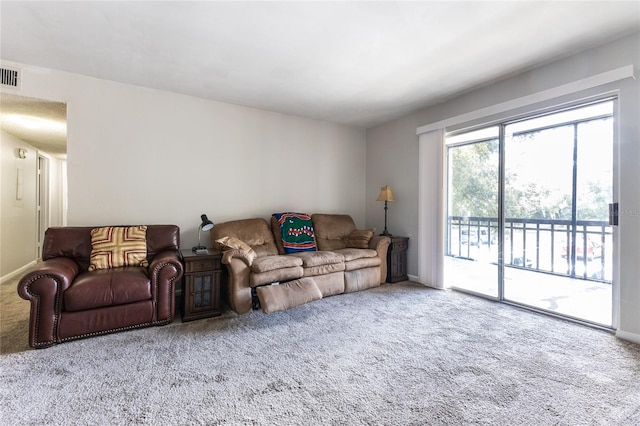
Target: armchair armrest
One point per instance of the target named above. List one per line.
(44, 287)
(51, 277)
(169, 259)
(165, 271)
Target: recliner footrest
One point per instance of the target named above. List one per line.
(275, 298)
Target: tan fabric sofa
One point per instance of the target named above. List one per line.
(301, 277)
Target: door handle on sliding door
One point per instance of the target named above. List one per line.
(613, 214)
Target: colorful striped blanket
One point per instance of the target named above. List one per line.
(297, 232)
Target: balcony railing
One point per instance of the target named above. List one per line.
(551, 246)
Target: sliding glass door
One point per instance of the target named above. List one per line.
(472, 218)
(558, 186)
(528, 212)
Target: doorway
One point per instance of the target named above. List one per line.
(528, 212)
(34, 140)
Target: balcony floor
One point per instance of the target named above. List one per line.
(586, 300)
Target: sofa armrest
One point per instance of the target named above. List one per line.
(381, 244)
(227, 255)
(44, 287)
(239, 282)
(165, 271)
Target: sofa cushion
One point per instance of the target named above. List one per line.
(107, 287)
(295, 232)
(359, 238)
(271, 263)
(314, 271)
(363, 262)
(320, 262)
(354, 253)
(229, 242)
(275, 298)
(116, 246)
(319, 258)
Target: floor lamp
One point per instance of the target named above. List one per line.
(386, 195)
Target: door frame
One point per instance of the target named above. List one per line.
(43, 202)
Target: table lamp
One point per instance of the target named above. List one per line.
(206, 225)
(386, 195)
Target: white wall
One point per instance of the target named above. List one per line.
(392, 155)
(17, 217)
(137, 155)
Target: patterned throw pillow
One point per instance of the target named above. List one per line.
(360, 238)
(116, 246)
(235, 243)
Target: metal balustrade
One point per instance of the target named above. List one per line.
(559, 247)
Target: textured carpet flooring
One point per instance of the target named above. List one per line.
(400, 354)
(14, 319)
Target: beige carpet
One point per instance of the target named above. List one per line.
(396, 355)
(14, 319)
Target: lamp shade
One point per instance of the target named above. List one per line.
(385, 194)
(206, 225)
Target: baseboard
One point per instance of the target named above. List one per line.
(18, 271)
(627, 335)
(414, 278)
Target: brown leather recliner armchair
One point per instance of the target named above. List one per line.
(70, 302)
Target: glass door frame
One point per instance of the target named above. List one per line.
(481, 138)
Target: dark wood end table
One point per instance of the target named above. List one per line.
(201, 285)
(397, 259)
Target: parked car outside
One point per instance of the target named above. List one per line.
(485, 237)
(594, 249)
(469, 236)
(519, 261)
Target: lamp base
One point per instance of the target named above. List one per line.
(200, 250)
(386, 233)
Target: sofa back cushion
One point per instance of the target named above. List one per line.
(332, 230)
(254, 232)
(360, 238)
(74, 242)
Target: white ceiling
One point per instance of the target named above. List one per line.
(357, 63)
(43, 124)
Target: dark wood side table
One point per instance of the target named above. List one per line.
(397, 259)
(201, 285)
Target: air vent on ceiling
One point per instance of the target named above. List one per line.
(10, 77)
